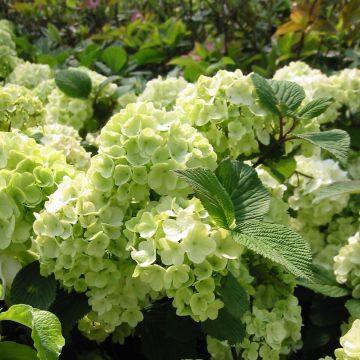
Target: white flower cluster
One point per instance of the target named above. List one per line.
(163, 92)
(226, 110)
(347, 265)
(350, 343)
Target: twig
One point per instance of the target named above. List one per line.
(233, 352)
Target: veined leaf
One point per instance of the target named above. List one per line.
(315, 108)
(353, 306)
(336, 142)
(324, 283)
(114, 57)
(277, 243)
(289, 94)
(265, 93)
(45, 329)
(212, 194)
(249, 197)
(73, 83)
(338, 188)
(10, 350)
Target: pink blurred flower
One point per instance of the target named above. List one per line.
(92, 4)
(137, 15)
(210, 45)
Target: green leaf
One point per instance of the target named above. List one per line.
(324, 283)
(234, 297)
(149, 56)
(114, 57)
(10, 350)
(73, 83)
(277, 243)
(249, 197)
(336, 142)
(212, 194)
(30, 288)
(282, 169)
(265, 93)
(225, 327)
(315, 108)
(105, 83)
(45, 329)
(353, 306)
(337, 188)
(289, 94)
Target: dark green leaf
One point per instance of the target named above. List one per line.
(149, 56)
(30, 288)
(289, 94)
(336, 142)
(114, 57)
(249, 197)
(212, 194)
(283, 168)
(73, 83)
(315, 108)
(353, 306)
(277, 243)
(225, 327)
(337, 188)
(265, 93)
(14, 351)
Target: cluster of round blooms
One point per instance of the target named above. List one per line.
(273, 323)
(29, 172)
(65, 110)
(82, 238)
(29, 75)
(350, 343)
(315, 84)
(43, 89)
(19, 108)
(225, 109)
(348, 82)
(65, 139)
(313, 173)
(8, 56)
(163, 92)
(278, 209)
(347, 265)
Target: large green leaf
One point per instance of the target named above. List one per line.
(249, 197)
(289, 94)
(73, 83)
(335, 141)
(324, 283)
(234, 297)
(353, 306)
(30, 288)
(277, 243)
(45, 329)
(13, 351)
(212, 194)
(114, 57)
(337, 188)
(265, 93)
(315, 108)
(149, 56)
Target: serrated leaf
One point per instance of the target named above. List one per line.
(289, 94)
(337, 188)
(234, 296)
(277, 243)
(10, 350)
(114, 58)
(45, 329)
(336, 142)
(225, 327)
(315, 108)
(212, 194)
(283, 169)
(324, 283)
(353, 306)
(30, 288)
(265, 93)
(73, 83)
(249, 197)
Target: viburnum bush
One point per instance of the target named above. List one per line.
(199, 218)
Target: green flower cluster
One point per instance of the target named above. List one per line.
(19, 108)
(29, 173)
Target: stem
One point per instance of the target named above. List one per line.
(281, 126)
(233, 352)
(302, 174)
